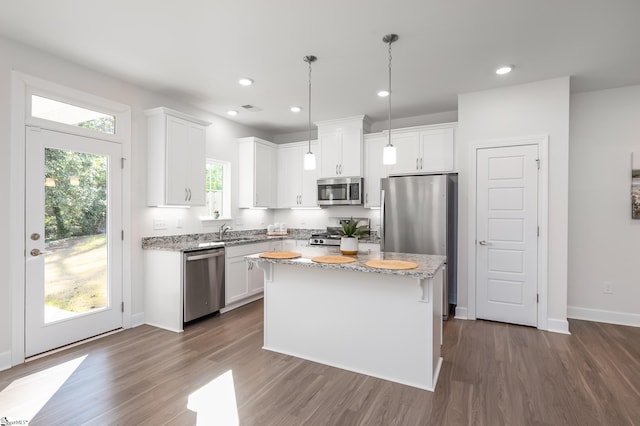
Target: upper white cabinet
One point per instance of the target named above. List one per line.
(296, 187)
(256, 173)
(424, 149)
(341, 146)
(176, 151)
(374, 170)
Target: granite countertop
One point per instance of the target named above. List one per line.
(428, 264)
(192, 242)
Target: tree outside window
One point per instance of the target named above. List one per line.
(217, 189)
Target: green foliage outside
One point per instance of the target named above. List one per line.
(102, 124)
(214, 177)
(75, 210)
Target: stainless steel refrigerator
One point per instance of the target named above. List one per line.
(419, 214)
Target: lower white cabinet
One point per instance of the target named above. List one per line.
(244, 282)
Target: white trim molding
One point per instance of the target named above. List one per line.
(558, 326)
(461, 313)
(542, 141)
(5, 360)
(137, 320)
(599, 315)
(22, 87)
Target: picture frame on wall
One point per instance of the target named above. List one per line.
(635, 185)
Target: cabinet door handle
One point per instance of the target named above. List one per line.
(340, 168)
(421, 163)
(186, 194)
(189, 195)
(336, 169)
(417, 160)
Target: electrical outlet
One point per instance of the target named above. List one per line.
(607, 287)
(179, 224)
(159, 224)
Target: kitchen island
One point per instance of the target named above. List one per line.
(379, 322)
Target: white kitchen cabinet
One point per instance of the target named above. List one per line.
(244, 282)
(374, 170)
(341, 146)
(176, 158)
(257, 161)
(424, 149)
(296, 187)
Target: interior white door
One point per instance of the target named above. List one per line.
(507, 234)
(73, 256)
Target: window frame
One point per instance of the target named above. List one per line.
(225, 214)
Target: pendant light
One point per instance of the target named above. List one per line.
(389, 151)
(309, 157)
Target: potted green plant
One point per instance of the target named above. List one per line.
(350, 232)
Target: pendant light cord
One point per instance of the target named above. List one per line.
(389, 144)
(309, 152)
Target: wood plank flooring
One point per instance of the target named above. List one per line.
(493, 374)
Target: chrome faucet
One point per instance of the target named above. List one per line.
(223, 229)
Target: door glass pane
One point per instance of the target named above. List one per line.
(75, 233)
(73, 115)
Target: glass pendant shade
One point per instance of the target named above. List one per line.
(389, 155)
(309, 161)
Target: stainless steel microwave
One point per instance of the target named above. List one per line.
(339, 191)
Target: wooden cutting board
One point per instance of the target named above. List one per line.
(280, 255)
(391, 264)
(333, 259)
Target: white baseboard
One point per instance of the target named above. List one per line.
(242, 302)
(461, 312)
(558, 325)
(137, 320)
(599, 315)
(5, 360)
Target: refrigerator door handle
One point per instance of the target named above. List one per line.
(382, 220)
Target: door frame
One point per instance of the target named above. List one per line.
(542, 141)
(22, 86)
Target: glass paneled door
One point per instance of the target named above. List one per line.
(73, 246)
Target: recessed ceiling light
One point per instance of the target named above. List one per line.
(504, 70)
(232, 112)
(296, 109)
(383, 93)
(245, 81)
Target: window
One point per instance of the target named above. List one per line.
(217, 188)
(73, 115)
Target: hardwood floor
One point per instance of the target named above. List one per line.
(493, 374)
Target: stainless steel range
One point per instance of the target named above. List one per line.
(332, 237)
(324, 239)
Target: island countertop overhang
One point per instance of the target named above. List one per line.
(428, 265)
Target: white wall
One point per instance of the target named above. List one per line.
(221, 137)
(604, 242)
(524, 110)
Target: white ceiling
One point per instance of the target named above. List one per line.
(196, 50)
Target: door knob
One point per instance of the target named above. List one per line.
(37, 252)
(482, 243)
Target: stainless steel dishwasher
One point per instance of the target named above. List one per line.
(203, 282)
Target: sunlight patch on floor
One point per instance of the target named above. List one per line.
(25, 397)
(215, 402)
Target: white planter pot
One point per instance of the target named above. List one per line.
(349, 245)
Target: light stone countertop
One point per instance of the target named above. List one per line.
(428, 265)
